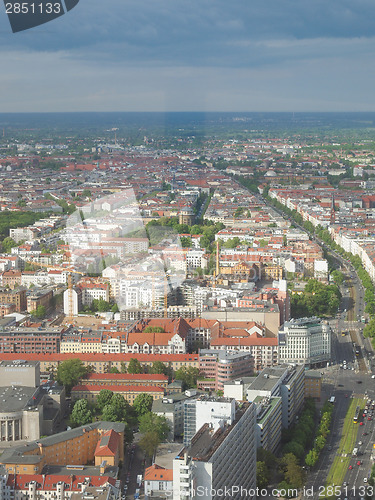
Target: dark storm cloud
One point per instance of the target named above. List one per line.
(194, 55)
(205, 32)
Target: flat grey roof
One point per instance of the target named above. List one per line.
(18, 398)
(166, 452)
(81, 470)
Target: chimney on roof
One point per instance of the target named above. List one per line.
(102, 467)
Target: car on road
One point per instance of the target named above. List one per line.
(365, 479)
(361, 423)
(350, 467)
(359, 462)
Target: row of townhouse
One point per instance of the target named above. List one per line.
(103, 363)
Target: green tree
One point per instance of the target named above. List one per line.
(114, 369)
(293, 473)
(40, 312)
(159, 367)
(150, 422)
(267, 457)
(104, 398)
(188, 375)
(69, 372)
(263, 475)
(143, 404)
(115, 308)
(118, 410)
(154, 329)
(100, 305)
(134, 366)
(81, 414)
(312, 458)
(7, 244)
(186, 242)
(338, 277)
(294, 447)
(232, 242)
(149, 442)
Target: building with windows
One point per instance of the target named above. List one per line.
(38, 298)
(206, 410)
(27, 409)
(16, 297)
(22, 340)
(141, 379)
(102, 363)
(285, 381)
(305, 341)
(129, 392)
(220, 366)
(78, 446)
(268, 422)
(172, 407)
(219, 458)
(158, 480)
(313, 384)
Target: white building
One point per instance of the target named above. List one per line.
(207, 410)
(321, 269)
(196, 258)
(93, 290)
(224, 459)
(72, 301)
(305, 341)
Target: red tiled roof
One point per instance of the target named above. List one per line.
(126, 376)
(118, 388)
(158, 473)
(108, 444)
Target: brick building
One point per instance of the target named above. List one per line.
(219, 367)
(129, 392)
(16, 297)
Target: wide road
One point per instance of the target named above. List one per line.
(345, 384)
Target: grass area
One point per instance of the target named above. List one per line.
(347, 444)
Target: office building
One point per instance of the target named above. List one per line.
(305, 341)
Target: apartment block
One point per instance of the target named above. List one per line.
(219, 459)
(78, 446)
(285, 381)
(16, 297)
(268, 422)
(206, 410)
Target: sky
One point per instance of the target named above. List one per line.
(193, 55)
